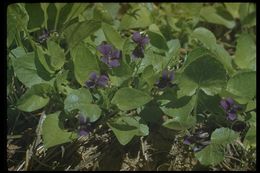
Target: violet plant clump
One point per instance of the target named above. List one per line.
(141, 42)
(96, 80)
(230, 107)
(165, 80)
(198, 140)
(111, 56)
(84, 126)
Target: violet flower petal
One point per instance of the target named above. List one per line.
(232, 116)
(224, 105)
(102, 81)
(136, 37)
(105, 49)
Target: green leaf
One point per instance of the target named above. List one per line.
(84, 63)
(233, 8)
(79, 31)
(102, 14)
(223, 56)
(77, 97)
(243, 84)
(138, 17)
(112, 8)
(81, 99)
(174, 47)
(76, 10)
(210, 155)
(156, 37)
(205, 36)
(245, 56)
(44, 7)
(149, 76)
(57, 56)
(35, 98)
(19, 14)
(112, 36)
(217, 51)
(211, 15)
(11, 28)
(59, 6)
(130, 98)
(250, 138)
(43, 59)
(151, 113)
(223, 136)
(125, 128)
(53, 134)
(120, 74)
(205, 73)
(251, 105)
(179, 107)
(180, 122)
(26, 71)
(36, 16)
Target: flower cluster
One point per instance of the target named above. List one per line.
(110, 56)
(141, 41)
(97, 81)
(200, 139)
(166, 79)
(230, 108)
(84, 126)
(45, 35)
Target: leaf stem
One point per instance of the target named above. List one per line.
(57, 19)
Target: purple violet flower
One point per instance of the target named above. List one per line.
(45, 35)
(110, 56)
(166, 79)
(97, 81)
(230, 107)
(141, 41)
(83, 126)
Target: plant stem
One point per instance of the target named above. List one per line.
(57, 19)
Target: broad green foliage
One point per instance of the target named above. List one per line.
(243, 85)
(35, 98)
(84, 63)
(77, 32)
(223, 136)
(199, 55)
(157, 38)
(125, 128)
(53, 134)
(130, 98)
(214, 15)
(113, 36)
(82, 100)
(211, 155)
(26, 70)
(204, 73)
(57, 56)
(209, 40)
(138, 17)
(250, 138)
(245, 56)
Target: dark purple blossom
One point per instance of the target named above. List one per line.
(198, 140)
(110, 56)
(97, 81)
(166, 79)
(230, 107)
(84, 126)
(141, 41)
(45, 35)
